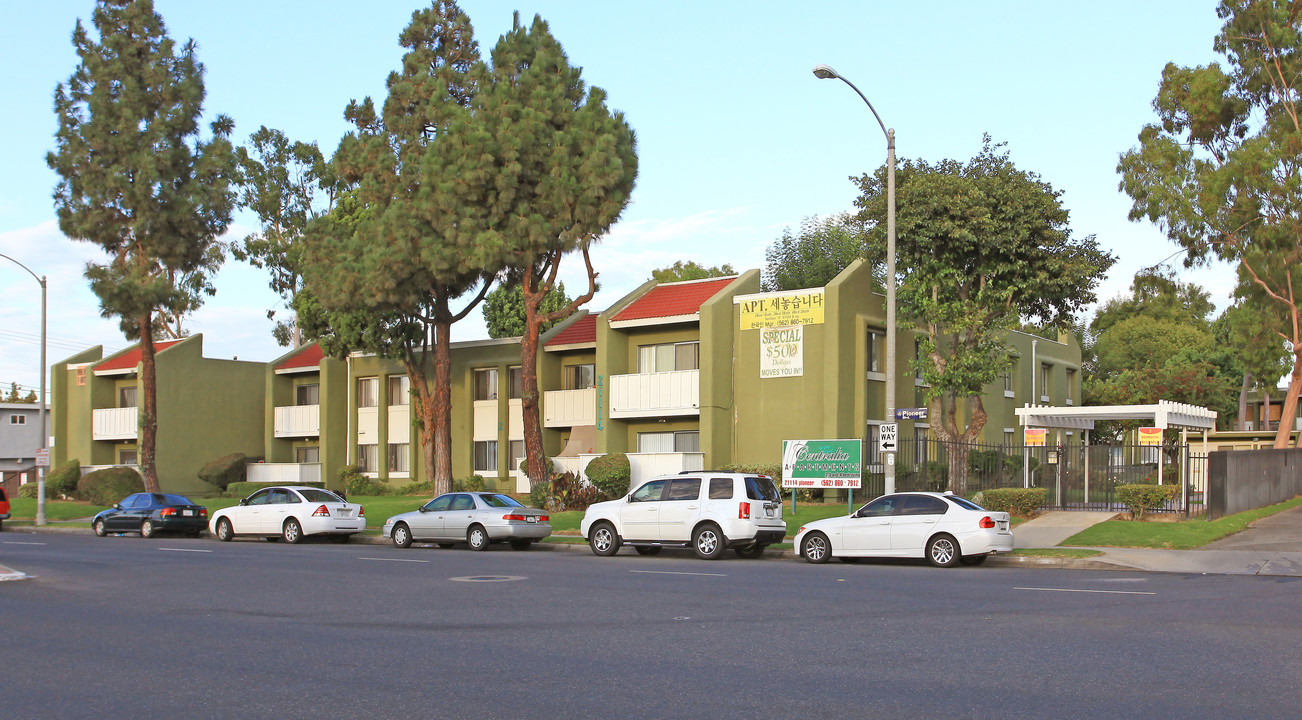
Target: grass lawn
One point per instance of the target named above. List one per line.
(1183, 535)
(22, 511)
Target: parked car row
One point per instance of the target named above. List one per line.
(708, 512)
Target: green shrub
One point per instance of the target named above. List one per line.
(936, 475)
(610, 474)
(474, 483)
(30, 490)
(420, 487)
(1139, 499)
(62, 481)
(110, 485)
(1020, 502)
(562, 492)
(224, 470)
(245, 489)
(524, 467)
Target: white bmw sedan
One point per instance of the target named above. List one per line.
(943, 528)
(291, 513)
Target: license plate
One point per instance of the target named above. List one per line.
(531, 519)
(768, 512)
(187, 512)
(345, 512)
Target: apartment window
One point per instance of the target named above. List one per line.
(1008, 382)
(17, 419)
(398, 453)
(517, 454)
(368, 392)
(307, 394)
(81, 376)
(876, 350)
(368, 457)
(399, 390)
(486, 456)
(127, 457)
(684, 441)
(127, 396)
(1071, 381)
(667, 357)
(307, 454)
(1045, 374)
(580, 377)
(486, 384)
(514, 383)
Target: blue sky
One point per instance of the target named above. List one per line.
(736, 137)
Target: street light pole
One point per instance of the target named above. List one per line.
(42, 424)
(824, 72)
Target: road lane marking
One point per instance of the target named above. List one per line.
(392, 560)
(1105, 592)
(183, 550)
(19, 542)
(668, 572)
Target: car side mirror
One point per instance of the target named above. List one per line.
(424, 509)
(117, 506)
(244, 501)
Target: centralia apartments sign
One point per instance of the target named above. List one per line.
(822, 463)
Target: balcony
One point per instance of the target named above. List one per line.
(115, 423)
(567, 408)
(655, 394)
(283, 473)
(298, 421)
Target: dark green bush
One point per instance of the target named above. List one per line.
(110, 485)
(245, 489)
(1139, 499)
(524, 467)
(1020, 502)
(30, 490)
(224, 470)
(474, 483)
(420, 487)
(562, 492)
(610, 474)
(62, 481)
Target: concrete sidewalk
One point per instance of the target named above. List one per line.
(1052, 528)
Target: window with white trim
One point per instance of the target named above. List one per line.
(580, 377)
(485, 456)
(514, 383)
(682, 441)
(368, 392)
(486, 384)
(17, 419)
(398, 457)
(307, 394)
(876, 350)
(399, 390)
(667, 357)
(368, 458)
(307, 454)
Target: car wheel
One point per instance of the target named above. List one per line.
(603, 540)
(477, 538)
(446, 546)
(224, 532)
(942, 551)
(753, 551)
(973, 560)
(146, 529)
(708, 541)
(293, 532)
(340, 539)
(816, 548)
(401, 535)
(100, 528)
(647, 550)
(521, 544)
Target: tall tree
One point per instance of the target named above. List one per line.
(1158, 295)
(557, 168)
(504, 309)
(286, 184)
(823, 248)
(1218, 171)
(1262, 356)
(401, 249)
(691, 270)
(981, 245)
(136, 179)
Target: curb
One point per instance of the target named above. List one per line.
(1058, 563)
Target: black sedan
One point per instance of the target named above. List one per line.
(150, 513)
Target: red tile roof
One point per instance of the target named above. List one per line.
(309, 356)
(131, 358)
(581, 331)
(673, 299)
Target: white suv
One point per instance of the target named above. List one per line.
(708, 511)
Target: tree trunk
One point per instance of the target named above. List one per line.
(1289, 411)
(535, 455)
(1243, 401)
(441, 412)
(958, 444)
(426, 407)
(149, 396)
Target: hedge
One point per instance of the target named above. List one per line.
(611, 474)
(1139, 499)
(224, 470)
(245, 489)
(110, 485)
(62, 480)
(1021, 502)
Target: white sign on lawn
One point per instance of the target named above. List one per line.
(782, 351)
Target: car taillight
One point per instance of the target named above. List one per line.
(361, 511)
(513, 517)
(203, 511)
(986, 522)
(322, 511)
(168, 511)
(544, 518)
(743, 511)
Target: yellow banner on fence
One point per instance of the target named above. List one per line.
(1150, 436)
(1035, 437)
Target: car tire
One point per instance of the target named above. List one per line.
(147, 529)
(603, 540)
(100, 528)
(292, 531)
(477, 537)
(751, 552)
(708, 541)
(224, 531)
(816, 548)
(401, 535)
(942, 550)
(521, 544)
(651, 550)
(973, 560)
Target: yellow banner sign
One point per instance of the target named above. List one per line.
(1035, 437)
(781, 310)
(1150, 436)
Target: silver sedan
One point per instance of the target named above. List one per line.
(475, 518)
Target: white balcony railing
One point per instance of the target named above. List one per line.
(655, 394)
(298, 421)
(567, 408)
(115, 423)
(283, 473)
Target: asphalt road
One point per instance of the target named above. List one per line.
(174, 627)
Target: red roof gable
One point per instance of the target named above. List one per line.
(131, 358)
(581, 331)
(673, 299)
(308, 357)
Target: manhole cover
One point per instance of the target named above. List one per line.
(487, 578)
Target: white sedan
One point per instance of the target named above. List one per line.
(290, 512)
(943, 528)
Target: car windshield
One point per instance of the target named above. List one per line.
(499, 501)
(315, 495)
(759, 487)
(964, 503)
(172, 500)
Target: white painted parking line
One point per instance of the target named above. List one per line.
(392, 560)
(1074, 590)
(667, 572)
(183, 550)
(18, 542)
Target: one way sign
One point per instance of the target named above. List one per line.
(887, 435)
